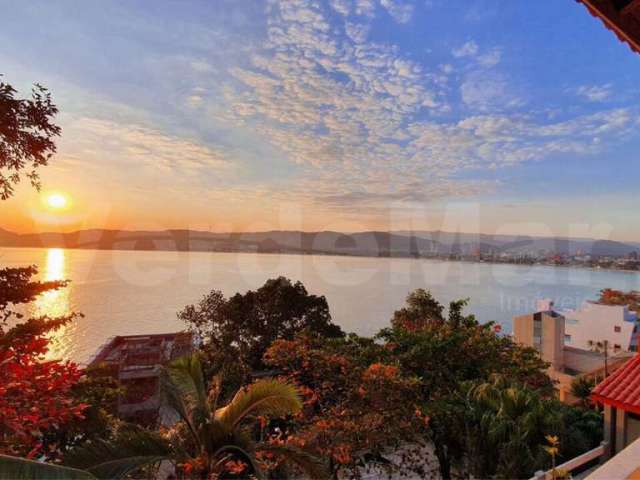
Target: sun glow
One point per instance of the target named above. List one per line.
(57, 201)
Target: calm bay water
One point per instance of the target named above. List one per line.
(127, 292)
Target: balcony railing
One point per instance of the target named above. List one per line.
(574, 463)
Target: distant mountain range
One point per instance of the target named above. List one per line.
(397, 243)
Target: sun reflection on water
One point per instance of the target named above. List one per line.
(55, 303)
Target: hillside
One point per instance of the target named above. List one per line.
(373, 243)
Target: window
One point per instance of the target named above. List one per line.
(590, 343)
(617, 329)
(616, 347)
(567, 338)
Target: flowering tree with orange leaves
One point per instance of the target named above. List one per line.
(357, 409)
(609, 296)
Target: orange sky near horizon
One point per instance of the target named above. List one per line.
(308, 115)
(92, 209)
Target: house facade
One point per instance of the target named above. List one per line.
(589, 327)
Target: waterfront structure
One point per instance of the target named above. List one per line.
(136, 361)
(600, 327)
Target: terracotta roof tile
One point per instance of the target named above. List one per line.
(622, 388)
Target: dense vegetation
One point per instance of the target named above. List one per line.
(436, 389)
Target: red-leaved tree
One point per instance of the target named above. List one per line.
(36, 398)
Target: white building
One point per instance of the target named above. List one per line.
(590, 326)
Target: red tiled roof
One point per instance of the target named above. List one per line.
(622, 388)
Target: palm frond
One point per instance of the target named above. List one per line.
(131, 449)
(265, 397)
(23, 469)
(120, 468)
(311, 465)
(183, 388)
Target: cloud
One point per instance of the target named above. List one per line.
(468, 49)
(139, 148)
(359, 119)
(365, 8)
(401, 12)
(490, 58)
(357, 32)
(485, 59)
(484, 91)
(342, 6)
(595, 93)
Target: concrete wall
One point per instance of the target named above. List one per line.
(583, 361)
(523, 329)
(552, 339)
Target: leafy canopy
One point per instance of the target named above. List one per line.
(237, 331)
(27, 135)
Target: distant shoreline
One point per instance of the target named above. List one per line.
(326, 254)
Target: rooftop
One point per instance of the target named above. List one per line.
(140, 351)
(622, 17)
(622, 388)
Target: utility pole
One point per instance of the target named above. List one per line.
(606, 356)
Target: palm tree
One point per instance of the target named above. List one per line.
(208, 439)
(217, 434)
(581, 388)
(506, 425)
(24, 469)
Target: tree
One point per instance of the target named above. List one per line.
(358, 408)
(422, 309)
(27, 135)
(36, 395)
(506, 427)
(445, 352)
(609, 296)
(209, 441)
(24, 469)
(581, 388)
(237, 331)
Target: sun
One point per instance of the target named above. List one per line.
(57, 201)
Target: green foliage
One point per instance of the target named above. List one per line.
(207, 441)
(128, 449)
(266, 397)
(446, 352)
(581, 388)
(582, 430)
(22, 469)
(506, 425)
(237, 331)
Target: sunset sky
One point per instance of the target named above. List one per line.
(509, 116)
